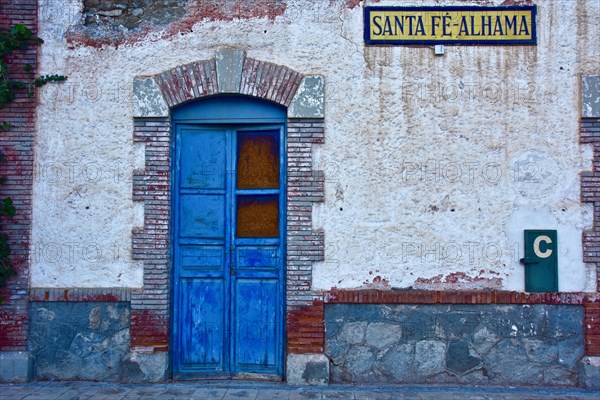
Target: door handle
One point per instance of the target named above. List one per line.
(231, 266)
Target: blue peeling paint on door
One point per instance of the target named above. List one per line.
(228, 238)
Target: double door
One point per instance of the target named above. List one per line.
(228, 250)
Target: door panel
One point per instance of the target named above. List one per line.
(202, 306)
(256, 345)
(205, 261)
(228, 250)
(257, 257)
(203, 216)
(194, 257)
(200, 280)
(203, 159)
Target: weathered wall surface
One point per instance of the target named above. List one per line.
(88, 341)
(16, 169)
(501, 345)
(434, 165)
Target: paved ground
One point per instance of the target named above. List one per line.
(211, 390)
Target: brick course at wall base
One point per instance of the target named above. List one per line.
(17, 170)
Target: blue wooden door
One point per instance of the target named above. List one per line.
(228, 250)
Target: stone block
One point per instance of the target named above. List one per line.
(148, 99)
(15, 366)
(570, 351)
(309, 101)
(540, 350)
(307, 369)
(430, 356)
(145, 367)
(381, 335)
(591, 372)
(359, 361)
(353, 332)
(229, 69)
(557, 375)
(459, 358)
(508, 363)
(399, 362)
(590, 87)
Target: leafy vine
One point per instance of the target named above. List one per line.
(17, 37)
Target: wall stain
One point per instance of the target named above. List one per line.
(107, 30)
(460, 280)
(517, 2)
(352, 4)
(377, 283)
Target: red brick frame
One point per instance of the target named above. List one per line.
(17, 145)
(589, 133)
(150, 305)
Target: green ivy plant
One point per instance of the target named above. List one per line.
(8, 210)
(17, 37)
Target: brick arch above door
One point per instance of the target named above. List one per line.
(230, 72)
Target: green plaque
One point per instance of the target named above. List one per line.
(541, 261)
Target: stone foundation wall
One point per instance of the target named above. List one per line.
(80, 341)
(470, 344)
(130, 14)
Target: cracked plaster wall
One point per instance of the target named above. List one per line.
(433, 165)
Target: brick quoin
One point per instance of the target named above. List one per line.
(592, 329)
(589, 133)
(17, 169)
(150, 243)
(150, 329)
(305, 323)
(306, 328)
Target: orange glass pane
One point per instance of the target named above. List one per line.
(258, 160)
(257, 216)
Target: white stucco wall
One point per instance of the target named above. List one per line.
(434, 164)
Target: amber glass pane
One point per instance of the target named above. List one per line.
(258, 160)
(257, 216)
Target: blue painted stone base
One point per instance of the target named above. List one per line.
(145, 367)
(15, 367)
(591, 372)
(79, 340)
(307, 369)
(455, 344)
